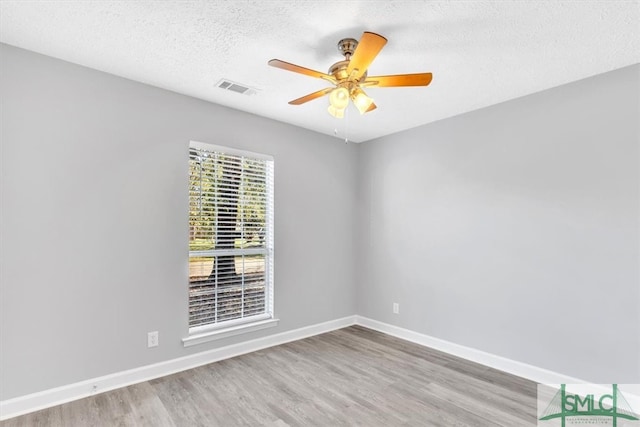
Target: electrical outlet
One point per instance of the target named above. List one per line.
(396, 308)
(152, 339)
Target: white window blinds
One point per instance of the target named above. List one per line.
(230, 236)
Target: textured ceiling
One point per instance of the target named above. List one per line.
(480, 52)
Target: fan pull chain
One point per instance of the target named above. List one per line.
(346, 124)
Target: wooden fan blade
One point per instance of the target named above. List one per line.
(372, 107)
(420, 79)
(368, 48)
(311, 96)
(298, 69)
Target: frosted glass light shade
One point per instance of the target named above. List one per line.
(339, 98)
(338, 113)
(361, 101)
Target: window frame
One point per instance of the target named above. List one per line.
(207, 332)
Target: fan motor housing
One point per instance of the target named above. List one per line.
(339, 71)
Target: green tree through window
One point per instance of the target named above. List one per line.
(230, 236)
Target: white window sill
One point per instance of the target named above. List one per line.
(217, 334)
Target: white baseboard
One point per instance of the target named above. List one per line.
(36, 401)
(513, 367)
(33, 402)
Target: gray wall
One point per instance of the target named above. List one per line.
(514, 229)
(94, 220)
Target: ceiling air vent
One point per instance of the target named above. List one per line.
(236, 87)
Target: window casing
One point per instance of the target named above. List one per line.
(230, 237)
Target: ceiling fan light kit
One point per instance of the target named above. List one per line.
(339, 97)
(350, 75)
(361, 100)
(338, 113)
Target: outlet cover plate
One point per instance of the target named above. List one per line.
(152, 339)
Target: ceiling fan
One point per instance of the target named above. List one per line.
(350, 76)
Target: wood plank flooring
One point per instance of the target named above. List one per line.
(349, 377)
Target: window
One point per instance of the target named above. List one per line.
(230, 238)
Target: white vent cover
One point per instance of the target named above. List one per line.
(236, 87)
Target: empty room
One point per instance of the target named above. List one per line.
(320, 213)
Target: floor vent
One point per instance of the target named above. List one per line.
(236, 87)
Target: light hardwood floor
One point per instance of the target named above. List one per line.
(349, 377)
